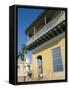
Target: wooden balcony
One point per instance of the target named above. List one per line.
(50, 30)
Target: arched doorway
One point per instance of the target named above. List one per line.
(40, 68)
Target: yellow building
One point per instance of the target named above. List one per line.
(46, 40)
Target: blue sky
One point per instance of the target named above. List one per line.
(25, 18)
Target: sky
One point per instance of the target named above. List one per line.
(25, 17)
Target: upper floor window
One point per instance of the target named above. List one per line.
(52, 14)
(57, 60)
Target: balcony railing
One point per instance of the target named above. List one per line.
(58, 19)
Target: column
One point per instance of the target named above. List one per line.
(45, 20)
(34, 30)
(27, 36)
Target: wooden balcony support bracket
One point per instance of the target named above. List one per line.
(60, 28)
(56, 31)
(52, 33)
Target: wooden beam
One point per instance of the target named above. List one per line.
(64, 23)
(56, 31)
(48, 36)
(41, 40)
(52, 33)
(60, 28)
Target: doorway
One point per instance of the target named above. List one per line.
(40, 68)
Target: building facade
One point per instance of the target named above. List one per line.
(46, 40)
(24, 70)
